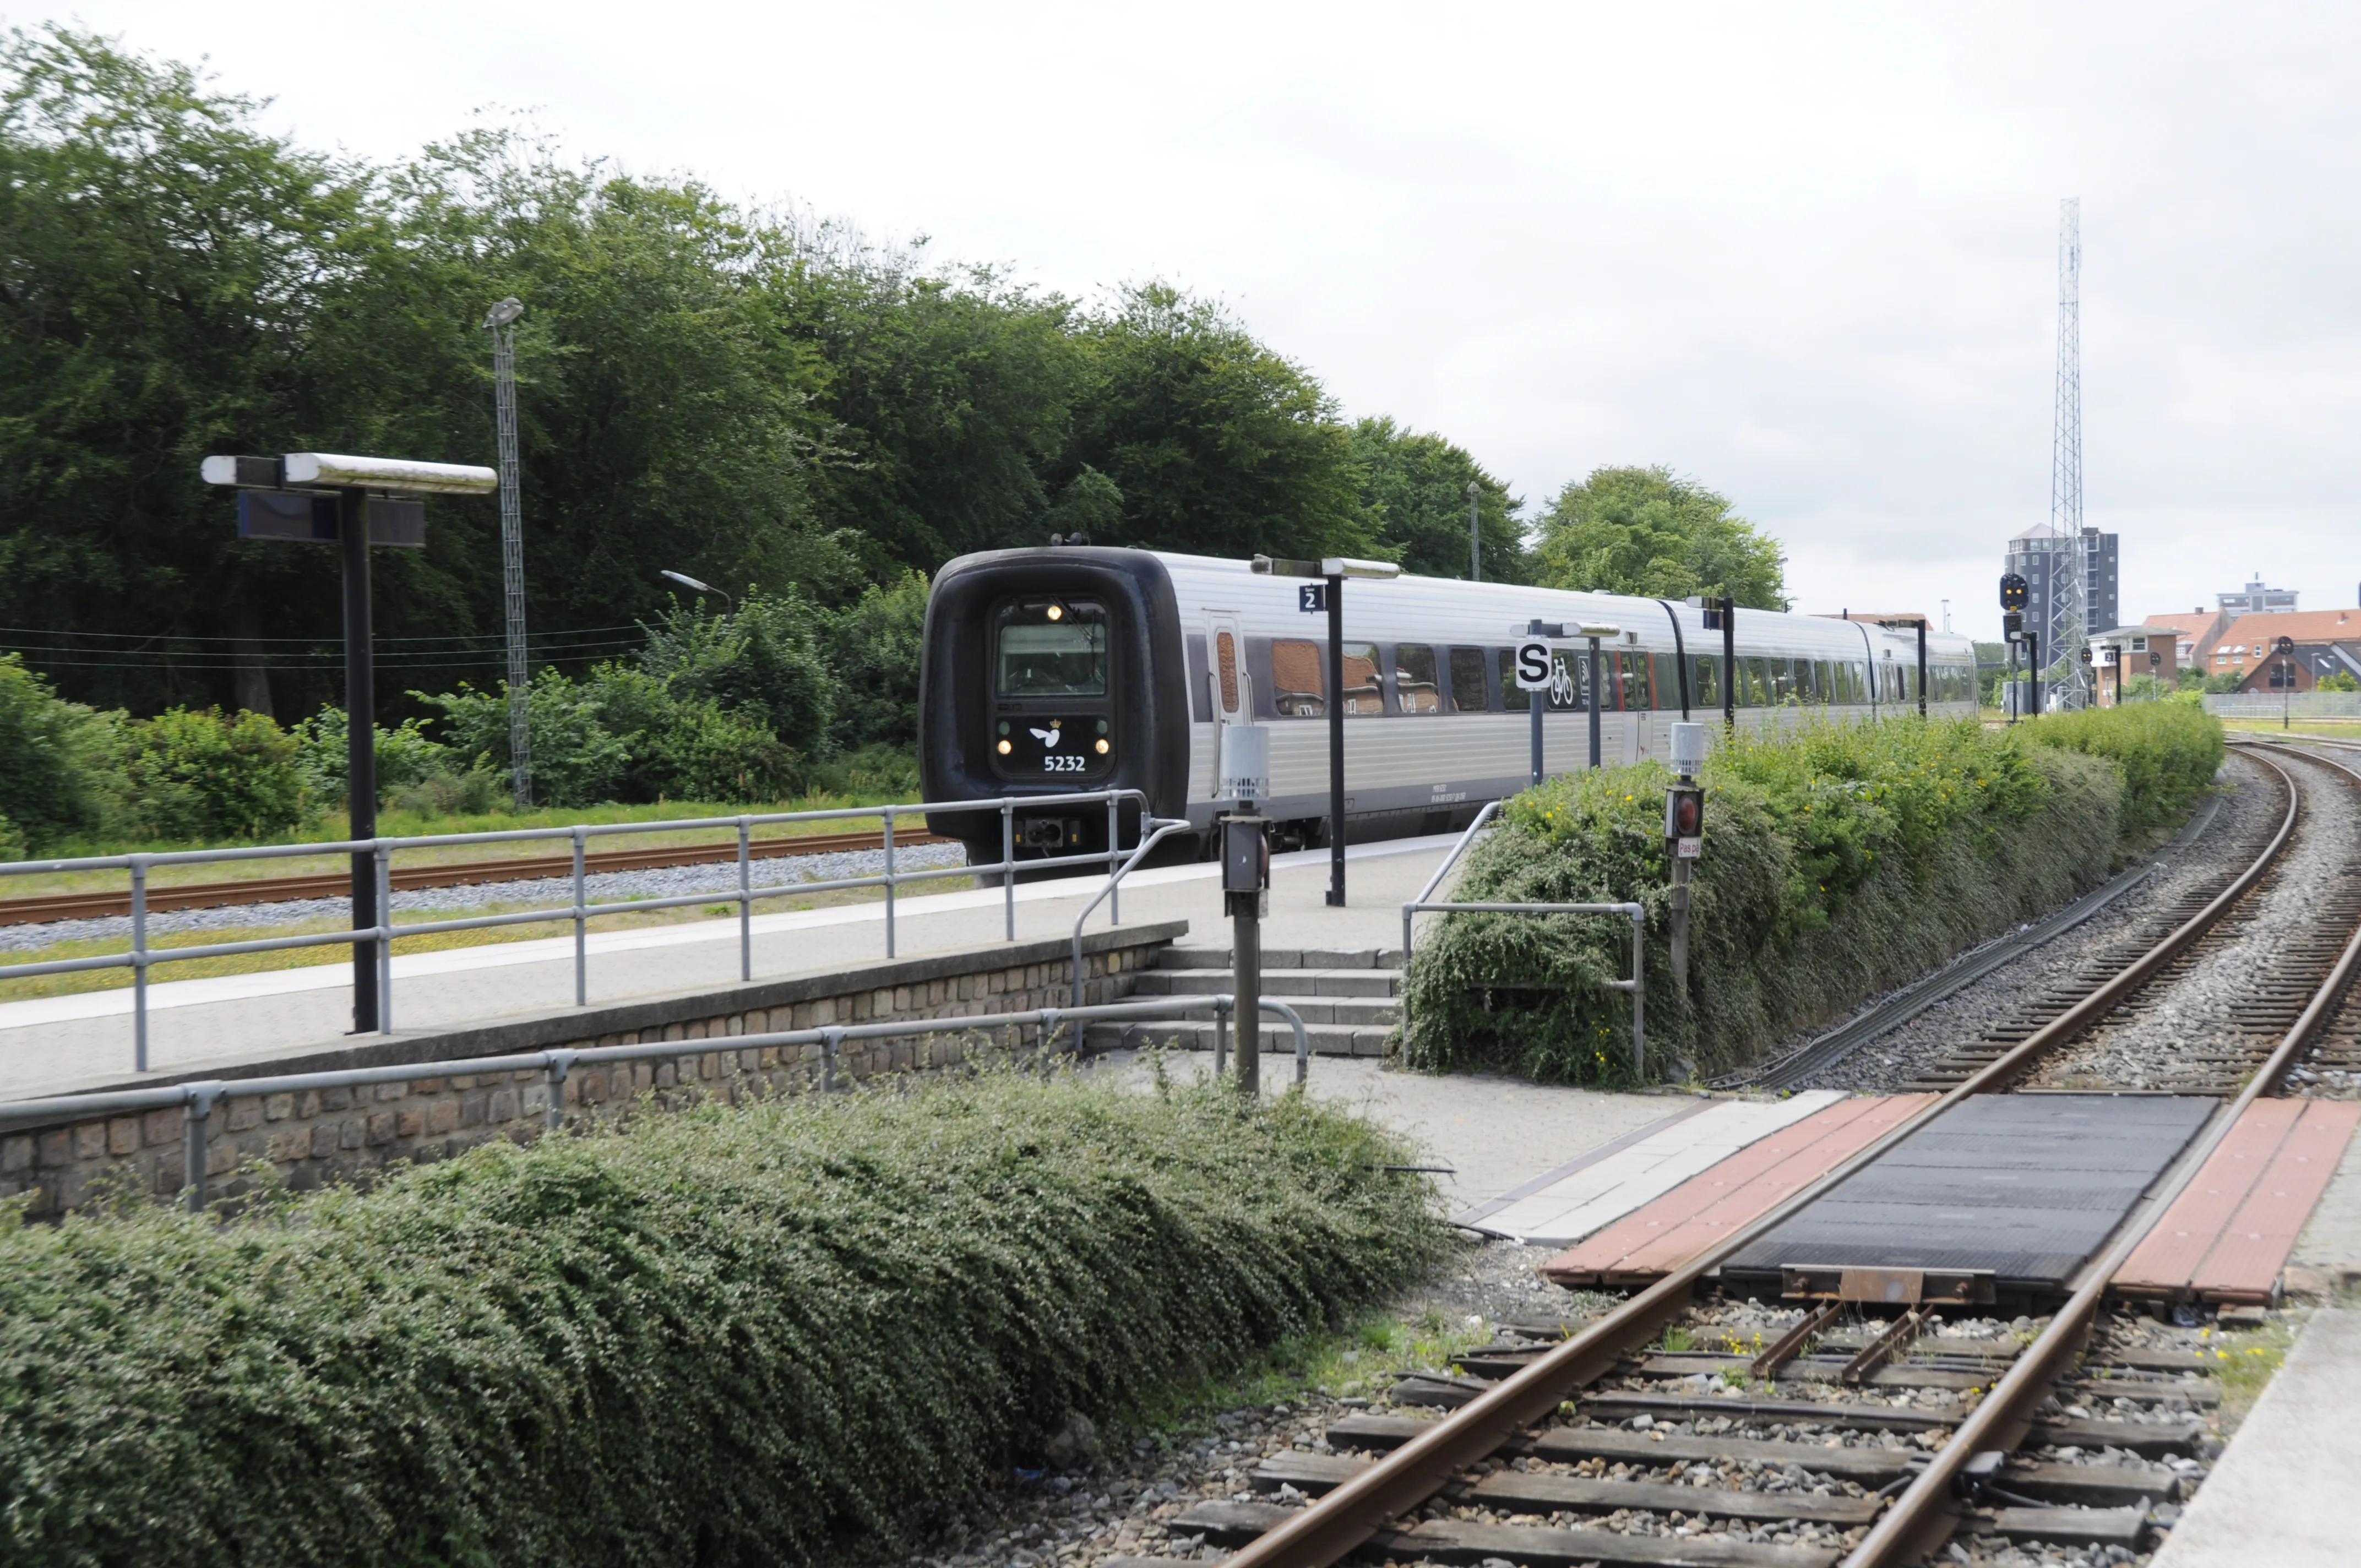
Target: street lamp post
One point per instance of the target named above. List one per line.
(1474, 544)
(693, 586)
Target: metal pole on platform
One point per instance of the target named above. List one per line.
(1335, 771)
(1593, 697)
(1535, 702)
(360, 744)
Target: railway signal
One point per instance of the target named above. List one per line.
(352, 503)
(1246, 887)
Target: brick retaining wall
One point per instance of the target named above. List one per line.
(323, 1135)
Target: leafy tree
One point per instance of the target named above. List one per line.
(873, 649)
(45, 786)
(1414, 489)
(196, 773)
(1644, 530)
(1216, 445)
(2342, 681)
(765, 661)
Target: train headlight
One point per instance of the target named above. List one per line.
(1103, 748)
(1005, 748)
(1056, 613)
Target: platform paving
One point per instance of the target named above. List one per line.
(57, 1045)
(2228, 1236)
(2284, 1492)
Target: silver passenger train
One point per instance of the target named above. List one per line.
(1056, 670)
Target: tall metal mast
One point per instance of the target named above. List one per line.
(2067, 631)
(502, 323)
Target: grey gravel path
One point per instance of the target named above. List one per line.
(662, 882)
(2251, 811)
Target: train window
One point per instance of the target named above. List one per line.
(1513, 697)
(1840, 677)
(1705, 680)
(1635, 673)
(1802, 669)
(1225, 665)
(1363, 694)
(1757, 691)
(1467, 694)
(1299, 684)
(1824, 680)
(1781, 674)
(1056, 648)
(1856, 675)
(1416, 690)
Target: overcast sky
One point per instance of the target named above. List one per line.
(1805, 256)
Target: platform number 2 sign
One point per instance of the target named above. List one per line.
(1534, 665)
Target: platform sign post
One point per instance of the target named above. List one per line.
(1333, 569)
(353, 503)
(1594, 633)
(1245, 767)
(1534, 663)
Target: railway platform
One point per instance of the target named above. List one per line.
(73, 1043)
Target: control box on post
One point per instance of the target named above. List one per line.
(1684, 839)
(1245, 848)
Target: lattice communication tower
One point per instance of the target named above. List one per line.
(2066, 633)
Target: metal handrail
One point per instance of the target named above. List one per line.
(1162, 826)
(1491, 809)
(141, 957)
(197, 1098)
(1637, 985)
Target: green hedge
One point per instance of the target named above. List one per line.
(725, 1336)
(2167, 751)
(1840, 860)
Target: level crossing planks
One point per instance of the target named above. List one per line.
(2228, 1234)
(1651, 1241)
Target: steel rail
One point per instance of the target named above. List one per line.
(1925, 1513)
(1339, 1523)
(456, 874)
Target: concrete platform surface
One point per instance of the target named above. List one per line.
(2285, 1491)
(57, 1045)
(1494, 1135)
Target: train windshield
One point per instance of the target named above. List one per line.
(1053, 649)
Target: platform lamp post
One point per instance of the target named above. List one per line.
(351, 502)
(1329, 595)
(501, 322)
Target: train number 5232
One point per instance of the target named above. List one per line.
(1067, 764)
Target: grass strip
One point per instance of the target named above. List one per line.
(781, 1333)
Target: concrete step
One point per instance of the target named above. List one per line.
(1353, 1013)
(1284, 958)
(1275, 982)
(1189, 1034)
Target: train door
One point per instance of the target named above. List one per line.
(1226, 670)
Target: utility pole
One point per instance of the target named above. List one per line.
(1474, 544)
(502, 323)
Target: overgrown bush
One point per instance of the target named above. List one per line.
(406, 755)
(1839, 860)
(728, 1336)
(683, 744)
(2167, 751)
(764, 661)
(45, 779)
(196, 773)
(576, 759)
(872, 646)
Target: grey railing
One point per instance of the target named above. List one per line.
(1483, 819)
(1153, 829)
(141, 957)
(197, 1099)
(1637, 985)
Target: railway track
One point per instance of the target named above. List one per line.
(1869, 1419)
(334, 884)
